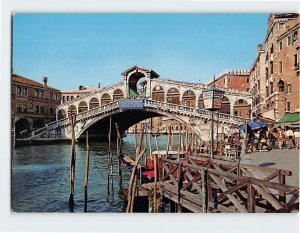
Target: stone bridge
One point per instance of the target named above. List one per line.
(181, 101)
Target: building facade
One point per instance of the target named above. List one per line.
(281, 68)
(258, 82)
(237, 80)
(33, 104)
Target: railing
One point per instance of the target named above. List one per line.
(105, 89)
(178, 109)
(223, 187)
(193, 111)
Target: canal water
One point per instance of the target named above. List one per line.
(40, 177)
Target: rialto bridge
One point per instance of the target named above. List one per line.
(142, 95)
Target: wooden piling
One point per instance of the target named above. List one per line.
(131, 191)
(110, 164)
(119, 146)
(72, 163)
(282, 194)
(86, 177)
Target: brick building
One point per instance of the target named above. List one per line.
(33, 104)
(281, 68)
(238, 80)
(258, 82)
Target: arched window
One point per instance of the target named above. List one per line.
(173, 96)
(105, 99)
(189, 98)
(158, 93)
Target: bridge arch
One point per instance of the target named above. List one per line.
(240, 107)
(94, 103)
(61, 114)
(173, 95)
(225, 107)
(158, 93)
(82, 107)
(189, 98)
(105, 99)
(72, 110)
(22, 127)
(118, 94)
(126, 119)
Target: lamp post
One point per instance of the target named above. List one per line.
(212, 101)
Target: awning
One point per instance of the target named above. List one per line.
(252, 125)
(290, 118)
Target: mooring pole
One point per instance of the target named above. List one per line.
(86, 177)
(119, 144)
(72, 163)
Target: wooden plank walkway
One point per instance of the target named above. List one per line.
(219, 186)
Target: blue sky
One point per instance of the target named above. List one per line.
(85, 49)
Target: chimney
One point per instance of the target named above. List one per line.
(259, 48)
(99, 85)
(45, 80)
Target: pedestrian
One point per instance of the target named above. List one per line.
(269, 142)
(290, 137)
(297, 138)
(280, 137)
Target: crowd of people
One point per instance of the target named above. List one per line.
(271, 137)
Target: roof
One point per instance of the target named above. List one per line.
(20, 79)
(87, 89)
(152, 72)
(290, 117)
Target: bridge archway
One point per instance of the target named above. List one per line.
(61, 114)
(137, 84)
(105, 99)
(94, 103)
(189, 98)
(240, 107)
(118, 94)
(201, 102)
(82, 107)
(22, 127)
(225, 107)
(158, 93)
(126, 119)
(72, 110)
(173, 96)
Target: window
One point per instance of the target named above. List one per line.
(281, 26)
(37, 109)
(267, 73)
(228, 80)
(241, 101)
(25, 108)
(272, 49)
(271, 87)
(295, 60)
(280, 67)
(267, 91)
(19, 108)
(236, 113)
(41, 94)
(51, 111)
(288, 88)
(288, 106)
(247, 80)
(295, 36)
(19, 90)
(24, 91)
(289, 40)
(271, 67)
(280, 46)
(42, 109)
(51, 95)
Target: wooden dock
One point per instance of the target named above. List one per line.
(223, 187)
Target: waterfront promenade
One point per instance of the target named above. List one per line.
(281, 159)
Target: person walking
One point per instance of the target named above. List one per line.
(297, 138)
(290, 136)
(280, 137)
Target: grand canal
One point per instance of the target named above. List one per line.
(40, 177)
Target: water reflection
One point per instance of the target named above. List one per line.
(40, 177)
